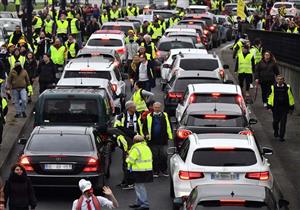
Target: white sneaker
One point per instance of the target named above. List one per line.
(251, 86)
(265, 105)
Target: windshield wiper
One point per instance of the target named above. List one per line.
(210, 125)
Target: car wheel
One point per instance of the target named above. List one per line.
(172, 194)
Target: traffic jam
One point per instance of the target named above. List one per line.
(145, 83)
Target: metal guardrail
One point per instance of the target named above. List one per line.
(284, 46)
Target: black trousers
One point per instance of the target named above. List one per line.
(245, 78)
(279, 121)
(160, 158)
(265, 90)
(127, 179)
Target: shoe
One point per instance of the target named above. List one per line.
(265, 105)
(134, 206)
(18, 115)
(251, 86)
(128, 187)
(165, 174)
(155, 175)
(281, 139)
(142, 208)
(24, 114)
(276, 134)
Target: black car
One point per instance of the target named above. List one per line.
(231, 197)
(59, 156)
(212, 118)
(178, 83)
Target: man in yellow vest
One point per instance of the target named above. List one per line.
(62, 28)
(104, 17)
(49, 26)
(293, 28)
(72, 47)
(3, 112)
(16, 57)
(114, 13)
(256, 50)
(244, 67)
(172, 4)
(16, 36)
(37, 23)
(17, 4)
(58, 53)
(173, 21)
(281, 102)
(139, 162)
(140, 97)
(130, 10)
(157, 31)
(158, 132)
(150, 48)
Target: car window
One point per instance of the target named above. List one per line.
(182, 83)
(191, 22)
(124, 29)
(60, 143)
(288, 6)
(117, 73)
(199, 64)
(167, 46)
(102, 57)
(105, 43)
(210, 121)
(10, 25)
(88, 74)
(165, 15)
(184, 149)
(192, 36)
(224, 157)
(211, 98)
(196, 11)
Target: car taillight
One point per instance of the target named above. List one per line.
(240, 102)
(222, 73)
(175, 95)
(246, 133)
(121, 51)
(25, 162)
(205, 32)
(188, 175)
(215, 95)
(114, 87)
(158, 53)
(92, 165)
(215, 116)
(262, 176)
(232, 202)
(183, 134)
(212, 28)
(198, 39)
(192, 98)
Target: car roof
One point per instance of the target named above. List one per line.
(190, 26)
(166, 11)
(180, 30)
(199, 56)
(198, 7)
(187, 51)
(181, 33)
(121, 23)
(93, 63)
(11, 19)
(87, 50)
(83, 130)
(79, 82)
(73, 91)
(214, 108)
(200, 74)
(211, 88)
(231, 192)
(172, 39)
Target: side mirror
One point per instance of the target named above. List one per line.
(229, 82)
(283, 203)
(22, 141)
(267, 151)
(124, 76)
(252, 121)
(171, 150)
(225, 66)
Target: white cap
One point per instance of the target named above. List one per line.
(84, 185)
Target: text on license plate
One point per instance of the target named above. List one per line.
(224, 176)
(58, 166)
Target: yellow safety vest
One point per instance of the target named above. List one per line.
(290, 95)
(74, 29)
(173, 3)
(245, 65)
(38, 23)
(62, 27)
(130, 11)
(139, 101)
(157, 32)
(104, 18)
(240, 44)
(48, 26)
(149, 125)
(12, 61)
(71, 49)
(4, 103)
(172, 22)
(50, 2)
(127, 39)
(121, 123)
(114, 15)
(153, 51)
(70, 15)
(295, 31)
(139, 157)
(58, 55)
(17, 2)
(258, 54)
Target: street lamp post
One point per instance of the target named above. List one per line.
(29, 20)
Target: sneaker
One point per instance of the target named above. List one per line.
(24, 114)
(276, 134)
(165, 174)
(128, 187)
(265, 105)
(155, 175)
(18, 115)
(133, 206)
(251, 86)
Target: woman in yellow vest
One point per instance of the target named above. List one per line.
(140, 96)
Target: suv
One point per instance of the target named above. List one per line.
(86, 107)
(108, 39)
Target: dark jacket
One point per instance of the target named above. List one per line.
(266, 71)
(91, 28)
(31, 68)
(46, 72)
(281, 99)
(149, 72)
(19, 191)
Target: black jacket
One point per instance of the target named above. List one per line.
(31, 68)
(266, 71)
(46, 73)
(19, 191)
(149, 72)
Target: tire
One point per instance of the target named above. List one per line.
(172, 194)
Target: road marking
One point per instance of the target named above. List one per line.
(226, 46)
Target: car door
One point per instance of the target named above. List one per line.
(182, 106)
(120, 82)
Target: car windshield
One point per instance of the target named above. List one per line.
(230, 7)
(165, 15)
(182, 83)
(60, 143)
(167, 46)
(123, 28)
(210, 121)
(9, 25)
(199, 64)
(88, 74)
(222, 98)
(105, 43)
(68, 110)
(224, 157)
(244, 205)
(288, 6)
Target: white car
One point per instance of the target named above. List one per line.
(96, 68)
(95, 83)
(108, 39)
(197, 9)
(166, 65)
(9, 24)
(219, 159)
(288, 8)
(211, 93)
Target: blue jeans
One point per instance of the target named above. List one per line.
(141, 195)
(20, 96)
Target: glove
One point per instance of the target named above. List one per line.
(30, 90)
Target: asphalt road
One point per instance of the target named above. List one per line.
(158, 191)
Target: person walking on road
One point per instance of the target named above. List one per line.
(18, 190)
(139, 162)
(46, 73)
(158, 131)
(144, 74)
(281, 102)
(140, 97)
(265, 74)
(3, 113)
(88, 201)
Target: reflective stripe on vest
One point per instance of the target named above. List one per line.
(74, 29)
(38, 23)
(95, 201)
(12, 60)
(130, 11)
(139, 101)
(62, 27)
(122, 141)
(295, 30)
(149, 125)
(104, 18)
(152, 51)
(290, 96)
(257, 54)
(48, 26)
(71, 48)
(58, 55)
(245, 64)
(143, 160)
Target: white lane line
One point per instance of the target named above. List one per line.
(226, 46)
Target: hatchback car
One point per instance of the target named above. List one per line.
(59, 156)
(288, 8)
(219, 159)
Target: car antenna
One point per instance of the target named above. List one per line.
(215, 109)
(88, 62)
(81, 80)
(61, 133)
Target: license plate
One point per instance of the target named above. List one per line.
(224, 176)
(58, 166)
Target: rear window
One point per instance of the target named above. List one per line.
(192, 36)
(167, 46)
(223, 98)
(181, 84)
(98, 55)
(60, 143)
(105, 43)
(215, 157)
(210, 121)
(165, 15)
(230, 7)
(88, 74)
(217, 205)
(288, 6)
(68, 110)
(199, 64)
(196, 11)
(124, 29)
(191, 22)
